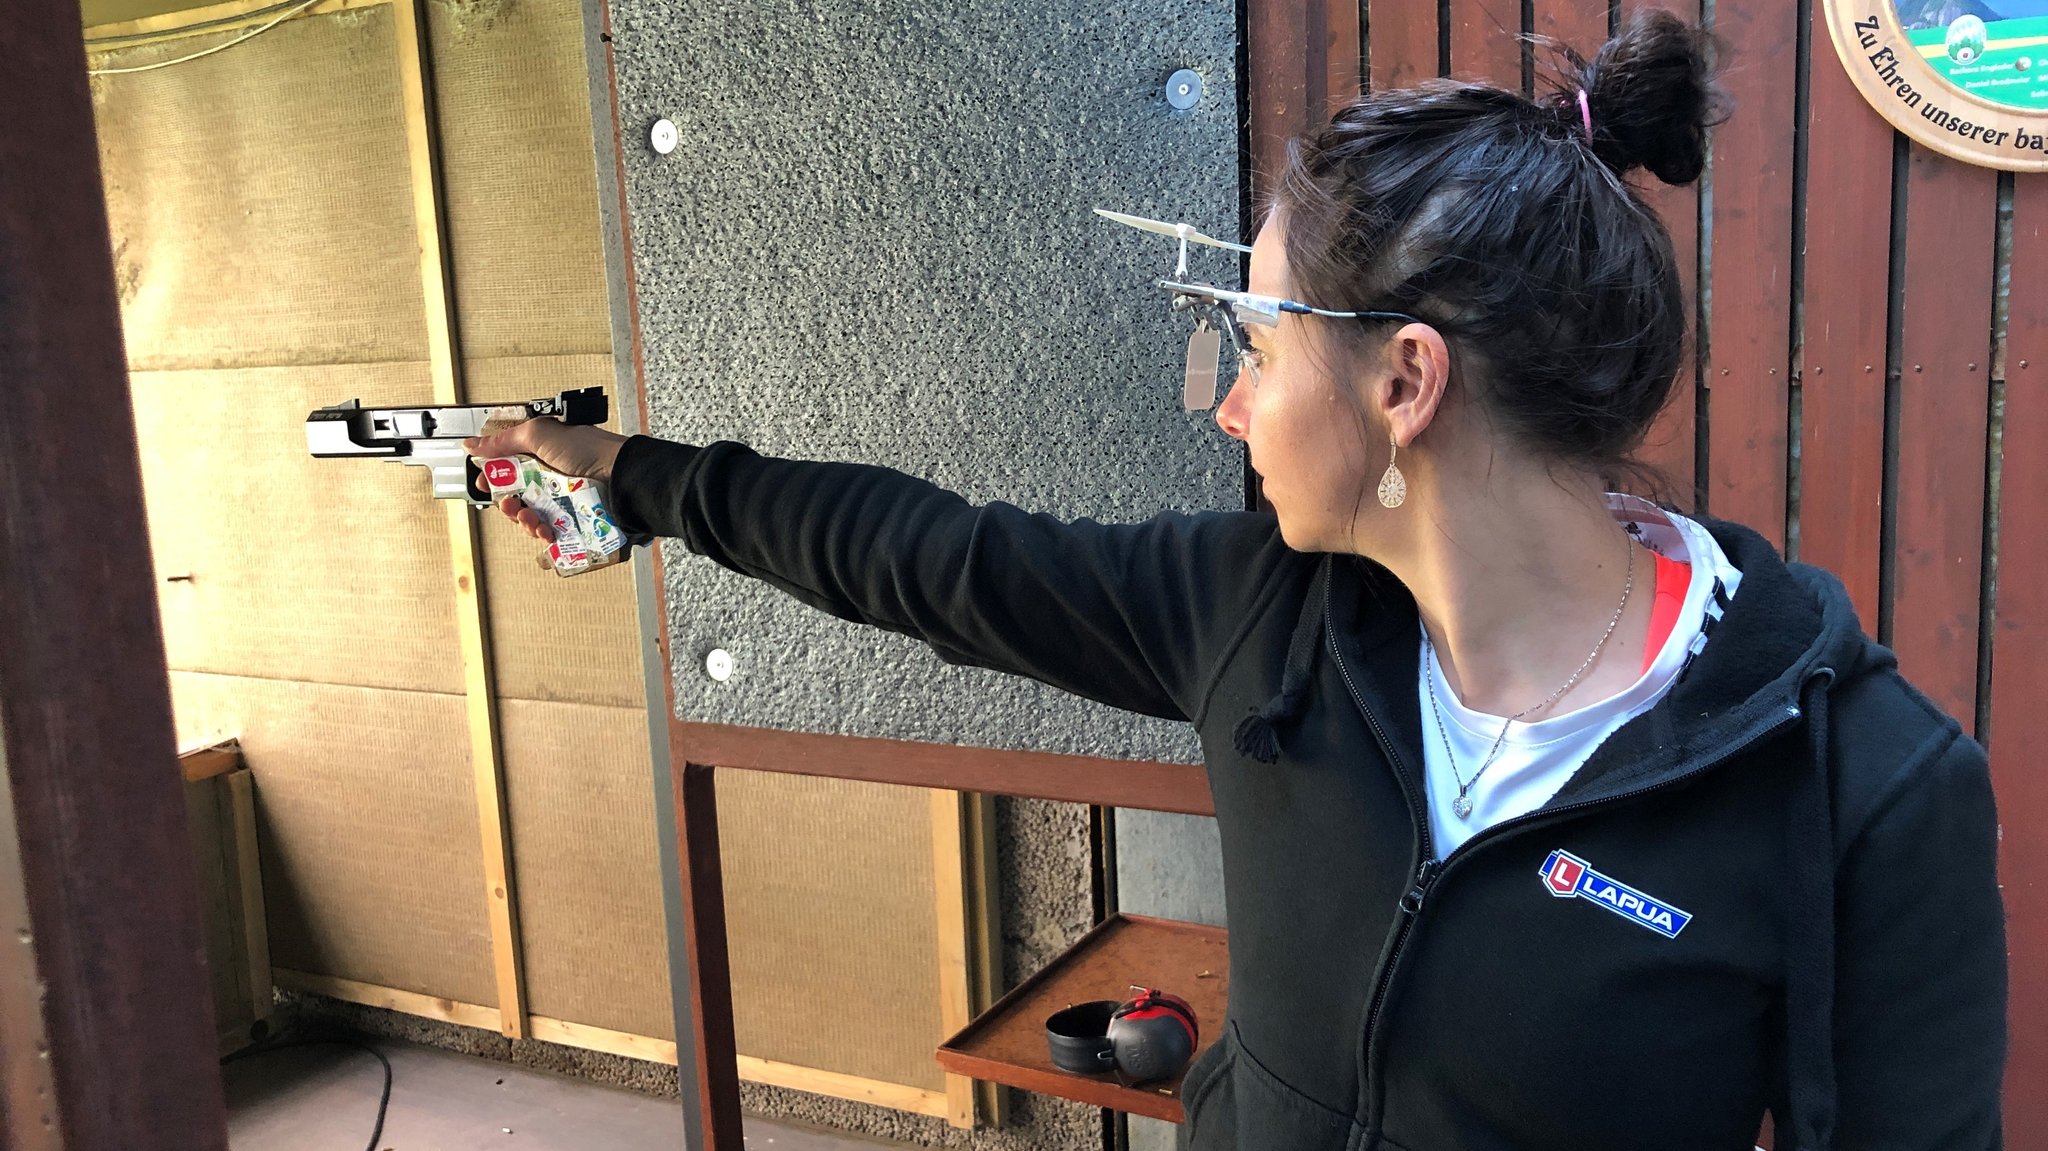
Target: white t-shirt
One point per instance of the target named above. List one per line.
(1538, 758)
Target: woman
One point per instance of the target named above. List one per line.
(1550, 819)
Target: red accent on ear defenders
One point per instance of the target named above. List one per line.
(1155, 1004)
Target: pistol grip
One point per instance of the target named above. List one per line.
(576, 508)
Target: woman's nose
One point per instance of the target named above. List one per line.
(1234, 416)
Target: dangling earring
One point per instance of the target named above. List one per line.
(1393, 485)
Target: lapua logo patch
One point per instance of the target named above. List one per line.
(1566, 876)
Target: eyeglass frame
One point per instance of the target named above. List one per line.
(1252, 308)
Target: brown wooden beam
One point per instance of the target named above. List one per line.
(716, 1049)
(105, 863)
(1028, 774)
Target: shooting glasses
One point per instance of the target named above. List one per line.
(1220, 312)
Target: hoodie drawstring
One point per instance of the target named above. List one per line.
(1810, 934)
(1256, 735)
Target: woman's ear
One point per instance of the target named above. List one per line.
(1416, 373)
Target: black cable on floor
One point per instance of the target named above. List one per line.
(383, 1104)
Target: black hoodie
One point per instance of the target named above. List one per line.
(1820, 836)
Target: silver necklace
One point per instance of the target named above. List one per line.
(1463, 804)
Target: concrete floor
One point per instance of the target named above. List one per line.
(324, 1098)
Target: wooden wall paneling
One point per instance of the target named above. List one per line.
(102, 955)
(1669, 446)
(443, 349)
(1577, 24)
(1847, 292)
(1943, 409)
(1402, 44)
(1486, 41)
(1749, 343)
(2019, 671)
(1302, 62)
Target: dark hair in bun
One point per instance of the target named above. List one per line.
(1497, 220)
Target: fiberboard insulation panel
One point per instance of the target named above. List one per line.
(874, 243)
(236, 181)
(268, 263)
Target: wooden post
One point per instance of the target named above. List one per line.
(948, 883)
(443, 351)
(106, 1015)
(714, 1118)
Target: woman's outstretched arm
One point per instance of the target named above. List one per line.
(1135, 616)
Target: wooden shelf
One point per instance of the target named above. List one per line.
(1007, 1043)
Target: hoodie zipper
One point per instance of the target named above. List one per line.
(1430, 870)
(1428, 866)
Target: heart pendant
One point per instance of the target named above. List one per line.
(1462, 806)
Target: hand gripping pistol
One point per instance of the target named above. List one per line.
(586, 537)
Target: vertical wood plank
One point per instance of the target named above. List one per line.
(1302, 62)
(1580, 25)
(711, 1039)
(106, 1017)
(1749, 345)
(416, 88)
(1485, 41)
(1668, 448)
(1944, 396)
(1343, 56)
(2019, 671)
(1847, 293)
(1401, 43)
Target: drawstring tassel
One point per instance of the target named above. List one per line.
(1254, 736)
(1257, 735)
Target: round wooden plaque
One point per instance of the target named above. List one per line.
(1967, 78)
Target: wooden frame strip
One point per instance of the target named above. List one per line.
(207, 762)
(585, 1037)
(416, 85)
(956, 938)
(389, 998)
(1177, 787)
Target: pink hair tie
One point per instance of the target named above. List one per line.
(1586, 115)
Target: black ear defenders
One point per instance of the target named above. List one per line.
(1146, 1038)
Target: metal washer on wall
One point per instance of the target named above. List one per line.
(663, 136)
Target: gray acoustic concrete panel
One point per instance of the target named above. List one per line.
(874, 243)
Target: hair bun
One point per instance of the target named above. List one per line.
(1652, 95)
